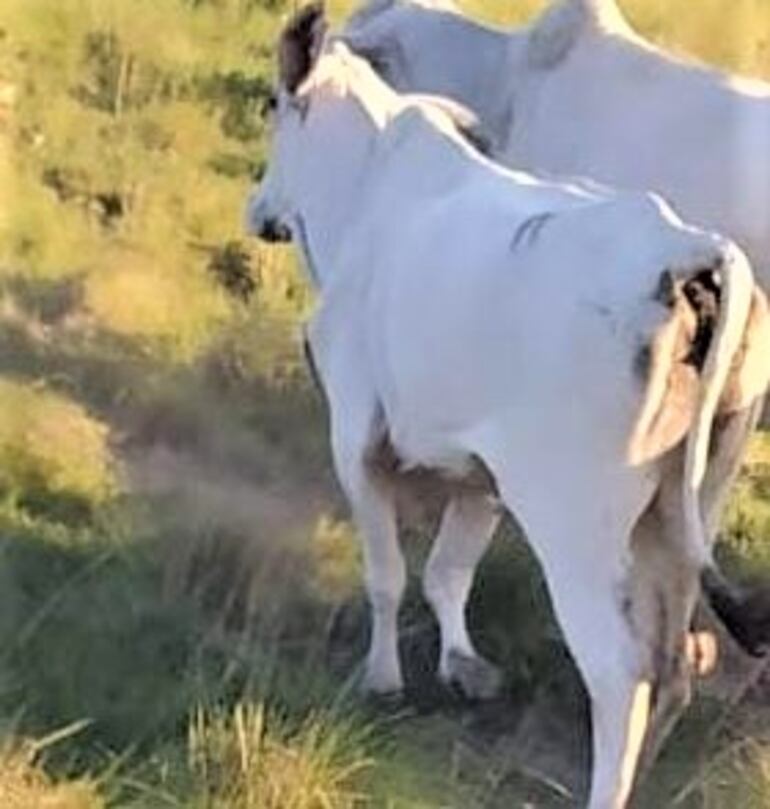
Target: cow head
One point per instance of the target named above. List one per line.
(270, 209)
(428, 46)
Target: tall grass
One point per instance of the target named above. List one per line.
(249, 760)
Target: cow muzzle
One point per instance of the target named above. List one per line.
(274, 231)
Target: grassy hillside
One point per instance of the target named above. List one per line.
(180, 607)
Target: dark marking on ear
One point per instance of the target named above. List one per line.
(300, 45)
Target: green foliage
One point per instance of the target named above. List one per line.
(54, 457)
(135, 134)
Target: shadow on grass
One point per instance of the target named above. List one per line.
(85, 633)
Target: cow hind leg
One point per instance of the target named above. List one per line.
(663, 591)
(467, 525)
(590, 610)
(584, 556)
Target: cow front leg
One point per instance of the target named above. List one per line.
(467, 526)
(374, 513)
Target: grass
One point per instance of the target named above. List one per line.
(245, 761)
(180, 607)
(53, 454)
(26, 785)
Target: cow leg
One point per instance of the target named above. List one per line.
(586, 570)
(385, 575)
(662, 594)
(356, 424)
(578, 517)
(664, 590)
(374, 512)
(467, 526)
(585, 554)
(588, 600)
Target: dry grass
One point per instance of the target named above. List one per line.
(24, 784)
(246, 759)
(137, 297)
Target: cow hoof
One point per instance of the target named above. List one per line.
(379, 681)
(702, 652)
(474, 677)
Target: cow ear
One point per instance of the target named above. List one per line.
(300, 45)
(554, 33)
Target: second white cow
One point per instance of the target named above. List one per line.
(579, 93)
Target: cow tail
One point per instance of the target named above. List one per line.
(747, 618)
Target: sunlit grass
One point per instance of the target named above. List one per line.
(25, 784)
(137, 297)
(248, 759)
(52, 450)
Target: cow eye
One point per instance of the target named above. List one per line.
(269, 105)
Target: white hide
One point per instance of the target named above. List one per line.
(577, 92)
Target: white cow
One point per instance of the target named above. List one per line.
(577, 92)
(561, 352)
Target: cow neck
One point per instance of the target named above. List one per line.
(487, 79)
(340, 148)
